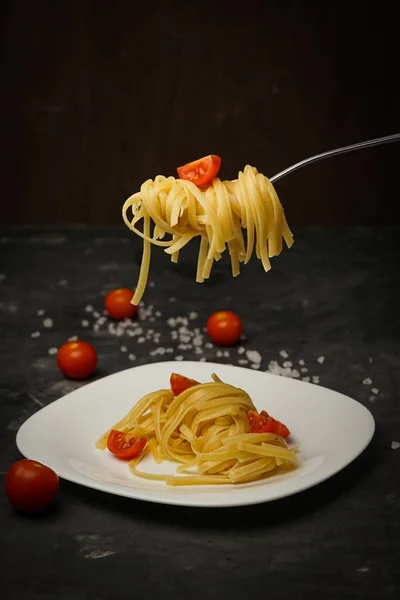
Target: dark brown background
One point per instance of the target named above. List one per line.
(100, 95)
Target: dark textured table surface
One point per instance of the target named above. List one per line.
(335, 295)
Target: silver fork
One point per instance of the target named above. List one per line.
(307, 161)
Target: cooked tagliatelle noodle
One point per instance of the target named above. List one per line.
(217, 214)
(206, 430)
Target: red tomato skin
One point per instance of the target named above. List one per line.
(77, 360)
(30, 486)
(180, 383)
(201, 171)
(224, 328)
(118, 304)
(263, 423)
(125, 446)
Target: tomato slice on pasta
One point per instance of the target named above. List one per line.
(125, 445)
(263, 423)
(201, 171)
(180, 383)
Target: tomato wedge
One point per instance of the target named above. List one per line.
(125, 445)
(180, 383)
(263, 423)
(201, 171)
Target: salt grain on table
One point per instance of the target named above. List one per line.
(315, 379)
(208, 345)
(73, 338)
(124, 349)
(172, 299)
(178, 357)
(241, 350)
(284, 354)
(243, 361)
(254, 356)
(304, 370)
(141, 340)
(302, 362)
(48, 323)
(321, 360)
(375, 391)
(85, 323)
(395, 445)
(306, 379)
(367, 381)
(35, 334)
(89, 308)
(52, 351)
(287, 363)
(202, 359)
(40, 312)
(193, 315)
(131, 357)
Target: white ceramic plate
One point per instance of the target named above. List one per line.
(330, 428)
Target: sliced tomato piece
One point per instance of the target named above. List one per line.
(263, 423)
(201, 171)
(180, 383)
(125, 445)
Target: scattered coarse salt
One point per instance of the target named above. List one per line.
(302, 362)
(184, 339)
(372, 398)
(197, 340)
(174, 335)
(35, 334)
(375, 391)
(130, 332)
(304, 370)
(193, 315)
(73, 338)
(202, 359)
(85, 323)
(370, 360)
(253, 356)
(96, 327)
(395, 445)
(171, 322)
(89, 308)
(243, 361)
(172, 299)
(255, 366)
(241, 350)
(63, 282)
(284, 354)
(219, 353)
(367, 381)
(208, 345)
(306, 379)
(40, 312)
(152, 319)
(141, 340)
(96, 315)
(48, 323)
(131, 357)
(226, 353)
(124, 349)
(53, 351)
(169, 350)
(315, 379)
(295, 374)
(158, 313)
(321, 360)
(287, 363)
(151, 284)
(198, 350)
(178, 357)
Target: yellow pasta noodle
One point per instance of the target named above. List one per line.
(217, 215)
(206, 430)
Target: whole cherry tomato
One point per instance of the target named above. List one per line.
(224, 328)
(77, 360)
(118, 304)
(30, 486)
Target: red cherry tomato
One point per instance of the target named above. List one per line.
(77, 360)
(125, 445)
(263, 423)
(118, 304)
(224, 328)
(30, 486)
(180, 383)
(201, 171)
